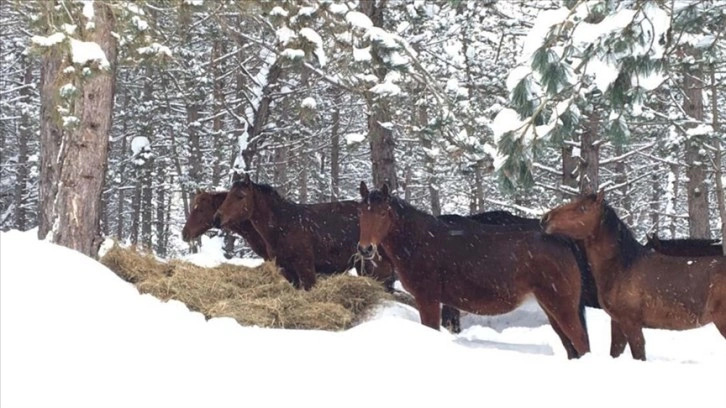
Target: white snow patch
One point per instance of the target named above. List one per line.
(506, 120)
(545, 21)
(293, 53)
(194, 2)
(139, 144)
(309, 103)
(48, 41)
(155, 49)
(337, 8)
(353, 138)
(85, 51)
(278, 11)
(516, 75)
(362, 54)
(359, 20)
(313, 37)
(701, 129)
(87, 8)
(284, 35)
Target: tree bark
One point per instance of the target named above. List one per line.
(698, 225)
(590, 154)
(84, 158)
(217, 112)
(255, 136)
(335, 154)
(570, 164)
(675, 169)
(380, 135)
(120, 215)
(147, 204)
(718, 160)
(51, 135)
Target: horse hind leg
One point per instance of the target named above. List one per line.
(569, 347)
(636, 340)
(430, 312)
(564, 311)
(451, 318)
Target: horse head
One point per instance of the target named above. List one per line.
(239, 203)
(201, 217)
(577, 219)
(376, 218)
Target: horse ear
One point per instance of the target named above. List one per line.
(246, 178)
(600, 196)
(384, 190)
(198, 191)
(363, 190)
(236, 177)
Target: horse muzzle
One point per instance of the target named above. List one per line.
(367, 251)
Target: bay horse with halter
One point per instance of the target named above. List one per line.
(457, 263)
(685, 246)
(640, 288)
(302, 238)
(201, 219)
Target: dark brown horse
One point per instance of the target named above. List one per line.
(302, 238)
(201, 218)
(457, 263)
(504, 221)
(685, 246)
(637, 287)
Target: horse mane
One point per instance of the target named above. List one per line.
(630, 248)
(263, 188)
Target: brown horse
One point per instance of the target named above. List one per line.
(302, 238)
(457, 263)
(685, 246)
(637, 287)
(504, 221)
(201, 218)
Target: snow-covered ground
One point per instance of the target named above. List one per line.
(73, 334)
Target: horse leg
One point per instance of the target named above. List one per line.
(451, 318)
(430, 312)
(571, 352)
(636, 340)
(565, 312)
(618, 341)
(306, 273)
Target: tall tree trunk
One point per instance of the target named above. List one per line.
(590, 154)
(718, 161)
(217, 112)
(657, 193)
(147, 130)
(191, 103)
(335, 154)
(621, 178)
(84, 159)
(675, 170)
(136, 207)
(255, 137)
(160, 207)
(380, 135)
(51, 135)
(120, 214)
(479, 187)
(695, 161)
(570, 162)
(24, 136)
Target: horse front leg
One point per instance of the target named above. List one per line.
(618, 341)
(430, 312)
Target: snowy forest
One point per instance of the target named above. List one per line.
(460, 106)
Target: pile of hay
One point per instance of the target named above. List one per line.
(253, 296)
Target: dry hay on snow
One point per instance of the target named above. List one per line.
(253, 296)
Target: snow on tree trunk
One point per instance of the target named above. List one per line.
(718, 161)
(698, 226)
(570, 162)
(83, 160)
(147, 130)
(621, 179)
